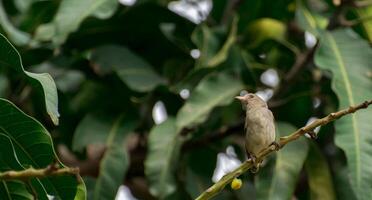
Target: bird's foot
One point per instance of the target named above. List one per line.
(313, 135)
(255, 165)
(254, 169)
(275, 146)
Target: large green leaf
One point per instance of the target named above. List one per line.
(320, 179)
(15, 35)
(280, 182)
(33, 147)
(133, 70)
(93, 129)
(214, 90)
(101, 129)
(10, 58)
(70, 15)
(308, 20)
(348, 57)
(342, 184)
(14, 189)
(163, 150)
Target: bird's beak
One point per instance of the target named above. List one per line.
(239, 98)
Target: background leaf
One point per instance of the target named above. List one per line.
(34, 148)
(10, 58)
(161, 162)
(70, 15)
(279, 182)
(14, 189)
(112, 132)
(131, 69)
(214, 90)
(3, 85)
(17, 36)
(320, 179)
(309, 21)
(348, 58)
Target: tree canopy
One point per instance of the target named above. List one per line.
(100, 98)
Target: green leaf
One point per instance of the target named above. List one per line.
(33, 147)
(214, 90)
(280, 182)
(10, 58)
(23, 5)
(70, 15)
(222, 54)
(308, 20)
(319, 176)
(106, 10)
(18, 37)
(207, 42)
(342, 184)
(132, 70)
(13, 189)
(164, 145)
(348, 57)
(364, 14)
(4, 84)
(264, 29)
(112, 132)
(93, 129)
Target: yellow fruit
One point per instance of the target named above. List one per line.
(264, 29)
(236, 184)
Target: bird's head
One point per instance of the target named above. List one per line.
(251, 100)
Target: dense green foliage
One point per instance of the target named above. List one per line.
(141, 96)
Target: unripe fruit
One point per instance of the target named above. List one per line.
(236, 184)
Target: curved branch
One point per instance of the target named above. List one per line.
(37, 173)
(219, 186)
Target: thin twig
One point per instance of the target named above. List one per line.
(214, 136)
(302, 60)
(230, 9)
(37, 173)
(361, 4)
(220, 185)
(349, 23)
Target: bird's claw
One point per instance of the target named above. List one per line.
(313, 135)
(255, 167)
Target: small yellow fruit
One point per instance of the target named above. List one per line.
(236, 184)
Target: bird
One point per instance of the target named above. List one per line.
(259, 127)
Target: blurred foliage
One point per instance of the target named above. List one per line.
(143, 96)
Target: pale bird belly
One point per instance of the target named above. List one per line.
(256, 141)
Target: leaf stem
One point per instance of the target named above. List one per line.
(220, 185)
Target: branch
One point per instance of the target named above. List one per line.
(218, 187)
(231, 7)
(214, 136)
(27, 174)
(302, 60)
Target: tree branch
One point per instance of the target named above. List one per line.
(219, 186)
(27, 174)
(214, 136)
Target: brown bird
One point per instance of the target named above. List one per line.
(259, 126)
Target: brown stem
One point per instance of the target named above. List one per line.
(220, 185)
(37, 173)
(214, 136)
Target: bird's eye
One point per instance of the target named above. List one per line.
(250, 96)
